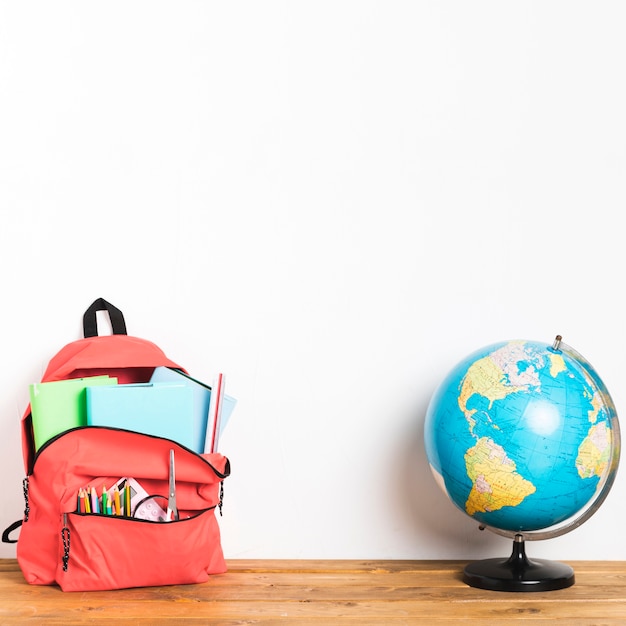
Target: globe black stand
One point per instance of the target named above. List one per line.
(518, 573)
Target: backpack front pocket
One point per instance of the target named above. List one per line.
(99, 552)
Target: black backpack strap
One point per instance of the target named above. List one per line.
(90, 323)
(9, 530)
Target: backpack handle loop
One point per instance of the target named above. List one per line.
(90, 323)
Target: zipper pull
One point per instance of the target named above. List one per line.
(65, 536)
(26, 504)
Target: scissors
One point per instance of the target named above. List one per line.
(172, 511)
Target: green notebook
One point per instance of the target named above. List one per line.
(60, 405)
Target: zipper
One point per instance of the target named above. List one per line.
(65, 536)
(219, 474)
(26, 504)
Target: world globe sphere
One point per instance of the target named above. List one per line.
(523, 437)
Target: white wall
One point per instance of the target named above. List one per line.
(332, 202)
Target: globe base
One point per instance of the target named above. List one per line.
(518, 573)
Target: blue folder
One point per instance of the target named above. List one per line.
(161, 409)
(201, 400)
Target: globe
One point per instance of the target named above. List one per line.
(523, 437)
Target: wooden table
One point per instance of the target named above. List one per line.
(326, 592)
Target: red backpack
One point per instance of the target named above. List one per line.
(80, 551)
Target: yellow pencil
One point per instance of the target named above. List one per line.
(116, 500)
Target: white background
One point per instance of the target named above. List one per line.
(332, 203)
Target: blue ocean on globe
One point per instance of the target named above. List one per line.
(519, 435)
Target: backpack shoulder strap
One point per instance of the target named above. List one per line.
(7, 531)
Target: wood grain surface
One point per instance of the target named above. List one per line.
(326, 592)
